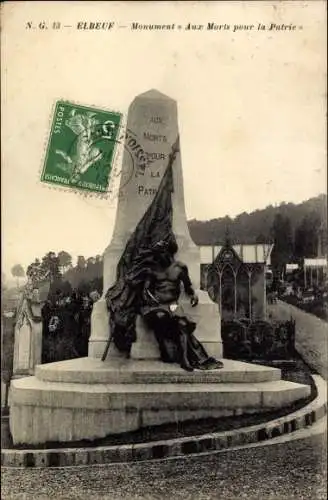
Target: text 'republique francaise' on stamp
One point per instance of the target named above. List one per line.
(81, 149)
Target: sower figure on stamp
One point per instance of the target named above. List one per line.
(149, 282)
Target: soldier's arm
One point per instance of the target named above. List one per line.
(185, 278)
(187, 285)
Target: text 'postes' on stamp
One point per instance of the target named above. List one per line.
(81, 147)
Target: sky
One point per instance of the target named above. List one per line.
(251, 108)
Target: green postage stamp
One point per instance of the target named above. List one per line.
(81, 147)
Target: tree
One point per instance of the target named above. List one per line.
(59, 287)
(84, 288)
(18, 272)
(50, 265)
(81, 263)
(90, 261)
(244, 228)
(97, 284)
(260, 238)
(306, 236)
(34, 271)
(282, 237)
(65, 261)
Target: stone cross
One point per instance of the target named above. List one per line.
(152, 129)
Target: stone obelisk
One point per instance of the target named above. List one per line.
(152, 129)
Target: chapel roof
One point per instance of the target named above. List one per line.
(258, 253)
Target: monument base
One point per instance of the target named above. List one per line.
(206, 315)
(87, 399)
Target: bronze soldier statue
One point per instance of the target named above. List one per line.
(162, 312)
(153, 287)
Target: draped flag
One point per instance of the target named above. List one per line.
(156, 225)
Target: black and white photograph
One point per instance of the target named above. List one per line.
(164, 279)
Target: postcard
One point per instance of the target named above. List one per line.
(164, 236)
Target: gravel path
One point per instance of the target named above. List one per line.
(311, 335)
(292, 470)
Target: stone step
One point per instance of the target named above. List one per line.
(49, 411)
(309, 420)
(123, 371)
(32, 391)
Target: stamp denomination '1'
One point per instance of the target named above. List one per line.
(81, 147)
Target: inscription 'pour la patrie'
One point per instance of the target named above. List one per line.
(142, 190)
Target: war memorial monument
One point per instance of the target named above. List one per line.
(155, 350)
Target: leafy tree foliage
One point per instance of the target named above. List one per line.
(17, 272)
(282, 238)
(306, 236)
(87, 275)
(247, 228)
(65, 261)
(81, 262)
(51, 264)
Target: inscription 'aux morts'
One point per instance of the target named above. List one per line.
(154, 137)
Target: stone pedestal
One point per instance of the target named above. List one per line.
(87, 399)
(146, 347)
(152, 129)
(208, 330)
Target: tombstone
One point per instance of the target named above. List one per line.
(27, 335)
(152, 129)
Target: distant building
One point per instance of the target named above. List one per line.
(235, 278)
(315, 271)
(259, 252)
(291, 268)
